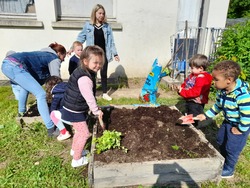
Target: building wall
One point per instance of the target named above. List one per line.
(146, 27)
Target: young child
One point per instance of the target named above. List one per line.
(196, 86)
(79, 98)
(74, 60)
(55, 89)
(233, 100)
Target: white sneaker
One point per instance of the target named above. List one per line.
(84, 152)
(106, 97)
(80, 162)
(63, 136)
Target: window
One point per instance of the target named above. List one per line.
(78, 9)
(17, 6)
(18, 13)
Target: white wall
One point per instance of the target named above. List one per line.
(214, 16)
(147, 27)
(215, 13)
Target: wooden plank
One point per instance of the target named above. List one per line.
(157, 172)
(91, 158)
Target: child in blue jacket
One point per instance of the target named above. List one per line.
(55, 89)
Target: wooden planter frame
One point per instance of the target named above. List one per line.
(176, 172)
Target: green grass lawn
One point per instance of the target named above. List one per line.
(28, 158)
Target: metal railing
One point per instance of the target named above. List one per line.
(190, 41)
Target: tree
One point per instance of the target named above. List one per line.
(239, 9)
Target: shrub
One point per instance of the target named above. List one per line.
(235, 45)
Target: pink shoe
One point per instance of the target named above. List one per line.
(63, 136)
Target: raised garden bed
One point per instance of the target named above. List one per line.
(159, 152)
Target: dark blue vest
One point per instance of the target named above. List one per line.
(73, 98)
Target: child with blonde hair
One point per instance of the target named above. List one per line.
(78, 99)
(74, 61)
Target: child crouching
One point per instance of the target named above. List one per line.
(55, 89)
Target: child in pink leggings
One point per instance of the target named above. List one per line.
(78, 99)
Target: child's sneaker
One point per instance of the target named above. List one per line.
(106, 97)
(63, 136)
(227, 173)
(80, 162)
(84, 152)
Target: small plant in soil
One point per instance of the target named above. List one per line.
(109, 140)
(175, 147)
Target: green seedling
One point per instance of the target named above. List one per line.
(175, 147)
(109, 140)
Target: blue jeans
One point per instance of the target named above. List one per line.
(21, 93)
(231, 145)
(28, 85)
(15, 89)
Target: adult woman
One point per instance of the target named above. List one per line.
(98, 32)
(30, 70)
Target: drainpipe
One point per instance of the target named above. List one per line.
(186, 46)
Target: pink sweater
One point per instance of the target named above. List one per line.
(85, 85)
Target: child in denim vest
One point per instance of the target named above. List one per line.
(233, 100)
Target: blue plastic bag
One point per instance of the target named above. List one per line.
(150, 87)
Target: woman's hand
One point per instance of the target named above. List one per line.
(69, 52)
(117, 58)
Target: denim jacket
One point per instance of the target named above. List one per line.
(40, 64)
(87, 34)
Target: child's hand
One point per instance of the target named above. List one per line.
(200, 117)
(179, 89)
(234, 130)
(175, 87)
(100, 120)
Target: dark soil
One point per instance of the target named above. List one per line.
(32, 111)
(151, 133)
